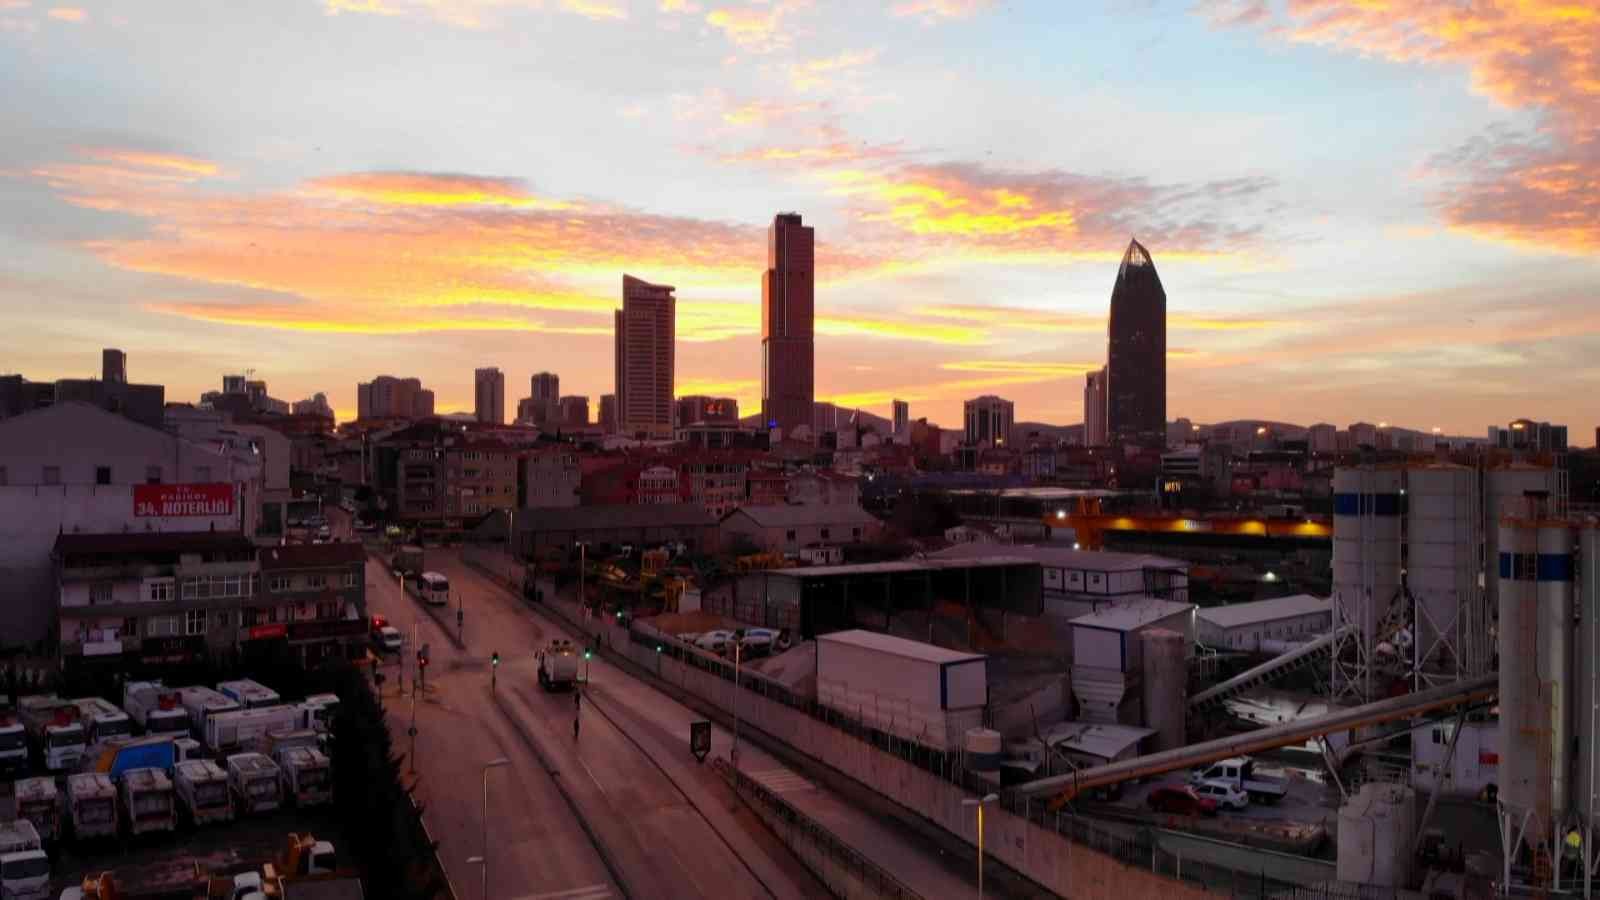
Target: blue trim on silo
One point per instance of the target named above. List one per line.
(1555, 567)
(1359, 504)
(1505, 565)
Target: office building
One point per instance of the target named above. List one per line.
(695, 408)
(1323, 439)
(988, 421)
(788, 351)
(544, 394)
(316, 406)
(1094, 408)
(574, 411)
(1136, 363)
(902, 419)
(645, 343)
(489, 396)
(608, 413)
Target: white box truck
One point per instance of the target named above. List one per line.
(307, 778)
(147, 801)
(558, 666)
(24, 867)
(155, 708)
(317, 712)
(246, 729)
(253, 783)
(39, 802)
(53, 729)
(201, 703)
(912, 690)
(249, 694)
(91, 806)
(102, 720)
(202, 789)
(13, 742)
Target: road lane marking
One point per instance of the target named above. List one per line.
(592, 892)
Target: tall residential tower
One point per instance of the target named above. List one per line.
(644, 358)
(1136, 368)
(788, 300)
(489, 396)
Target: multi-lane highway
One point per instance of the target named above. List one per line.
(622, 810)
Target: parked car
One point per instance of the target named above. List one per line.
(715, 641)
(388, 638)
(1226, 795)
(1180, 799)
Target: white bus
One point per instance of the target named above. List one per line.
(434, 589)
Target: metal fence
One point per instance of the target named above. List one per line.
(878, 881)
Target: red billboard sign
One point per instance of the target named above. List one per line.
(181, 500)
(263, 632)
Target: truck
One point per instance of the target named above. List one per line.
(1240, 772)
(305, 771)
(558, 666)
(152, 881)
(154, 708)
(317, 712)
(253, 783)
(102, 720)
(407, 560)
(202, 703)
(39, 802)
(24, 867)
(54, 731)
(91, 805)
(202, 790)
(13, 742)
(249, 694)
(147, 801)
(1473, 771)
(246, 729)
(153, 751)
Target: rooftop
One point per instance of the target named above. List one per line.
(897, 646)
(312, 556)
(1133, 615)
(1068, 558)
(902, 566)
(137, 542)
(622, 515)
(811, 514)
(1095, 739)
(1237, 614)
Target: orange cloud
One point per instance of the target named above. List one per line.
(1533, 54)
(595, 9)
(292, 319)
(68, 14)
(932, 11)
(816, 73)
(832, 149)
(187, 166)
(430, 189)
(756, 27)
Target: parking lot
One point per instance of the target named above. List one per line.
(1307, 811)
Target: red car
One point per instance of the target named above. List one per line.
(1180, 799)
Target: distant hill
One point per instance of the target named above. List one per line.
(1071, 434)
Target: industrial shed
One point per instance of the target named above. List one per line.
(1244, 626)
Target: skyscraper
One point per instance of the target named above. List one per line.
(902, 418)
(1136, 368)
(1094, 409)
(489, 395)
(608, 413)
(788, 300)
(644, 358)
(988, 421)
(545, 392)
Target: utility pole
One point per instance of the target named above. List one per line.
(461, 618)
(735, 752)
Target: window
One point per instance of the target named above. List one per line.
(316, 581)
(100, 592)
(152, 475)
(222, 621)
(278, 584)
(855, 533)
(130, 627)
(161, 626)
(350, 579)
(160, 592)
(194, 622)
(52, 474)
(328, 609)
(102, 474)
(789, 535)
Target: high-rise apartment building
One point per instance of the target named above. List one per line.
(902, 419)
(387, 397)
(645, 340)
(1527, 434)
(575, 411)
(1136, 364)
(113, 366)
(788, 306)
(608, 413)
(489, 396)
(1094, 408)
(988, 421)
(545, 392)
(695, 408)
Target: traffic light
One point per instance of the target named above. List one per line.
(587, 653)
(422, 659)
(494, 660)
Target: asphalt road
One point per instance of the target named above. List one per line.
(639, 830)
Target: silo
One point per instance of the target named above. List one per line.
(1442, 572)
(1376, 826)
(1586, 780)
(1554, 573)
(1520, 713)
(1504, 490)
(1366, 568)
(1166, 682)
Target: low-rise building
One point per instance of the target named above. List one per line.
(1078, 582)
(551, 478)
(148, 598)
(660, 484)
(1245, 626)
(313, 596)
(825, 487)
(543, 530)
(766, 487)
(716, 482)
(792, 528)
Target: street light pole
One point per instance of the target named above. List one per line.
(491, 764)
(735, 753)
(980, 803)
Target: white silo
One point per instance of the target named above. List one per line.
(1586, 778)
(1504, 491)
(1554, 573)
(1522, 715)
(1166, 683)
(1452, 627)
(1366, 571)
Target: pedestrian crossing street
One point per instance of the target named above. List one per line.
(781, 781)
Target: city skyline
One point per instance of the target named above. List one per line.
(1390, 223)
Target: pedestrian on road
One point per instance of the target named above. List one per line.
(577, 699)
(574, 728)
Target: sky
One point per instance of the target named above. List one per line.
(1360, 210)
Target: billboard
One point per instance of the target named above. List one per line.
(180, 500)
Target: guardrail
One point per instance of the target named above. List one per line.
(874, 877)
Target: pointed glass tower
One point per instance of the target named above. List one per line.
(1136, 368)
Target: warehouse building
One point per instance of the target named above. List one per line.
(1245, 626)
